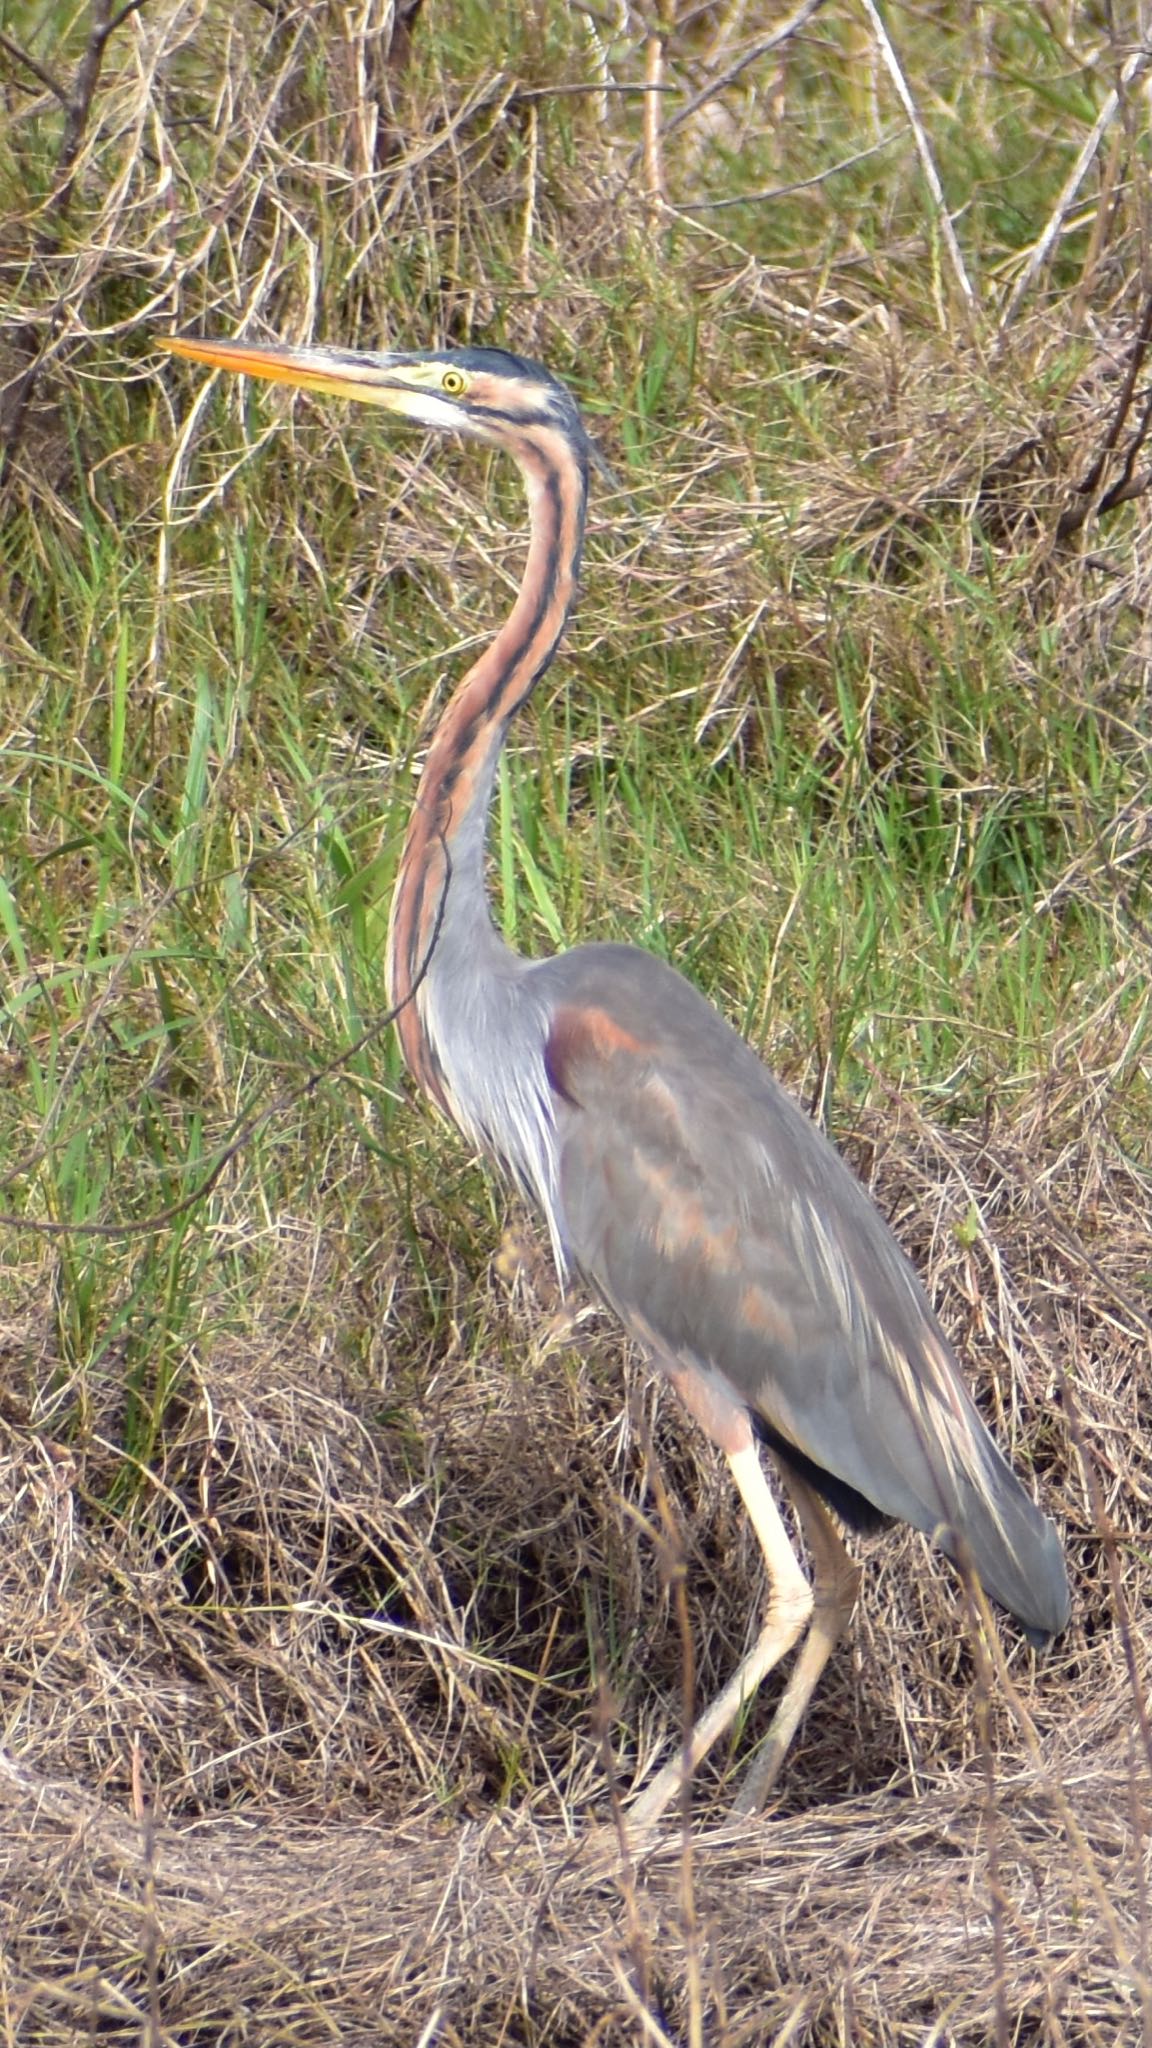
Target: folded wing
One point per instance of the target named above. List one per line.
(730, 1237)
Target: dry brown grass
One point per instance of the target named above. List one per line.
(358, 1833)
(319, 1702)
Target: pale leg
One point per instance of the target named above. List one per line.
(835, 1583)
(790, 1603)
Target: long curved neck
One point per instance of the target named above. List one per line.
(440, 917)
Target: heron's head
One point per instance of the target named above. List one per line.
(483, 392)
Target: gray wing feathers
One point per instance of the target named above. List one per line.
(707, 1208)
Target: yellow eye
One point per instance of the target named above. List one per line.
(453, 382)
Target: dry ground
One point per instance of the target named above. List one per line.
(338, 1549)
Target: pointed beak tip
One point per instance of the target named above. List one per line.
(191, 347)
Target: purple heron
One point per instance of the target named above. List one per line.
(672, 1171)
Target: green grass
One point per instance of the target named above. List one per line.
(199, 857)
(908, 752)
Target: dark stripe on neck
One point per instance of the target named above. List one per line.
(473, 726)
(530, 417)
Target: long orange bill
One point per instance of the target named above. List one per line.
(340, 373)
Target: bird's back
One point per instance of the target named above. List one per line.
(729, 1235)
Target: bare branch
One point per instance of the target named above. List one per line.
(923, 148)
(77, 103)
(787, 29)
(1075, 516)
(39, 71)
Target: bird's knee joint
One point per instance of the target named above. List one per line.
(790, 1606)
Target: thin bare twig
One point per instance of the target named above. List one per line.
(1075, 516)
(799, 185)
(104, 25)
(787, 29)
(924, 149)
(1051, 231)
(77, 103)
(39, 71)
